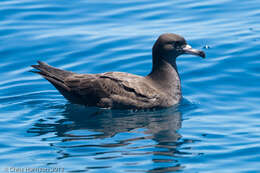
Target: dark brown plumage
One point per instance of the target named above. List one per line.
(161, 88)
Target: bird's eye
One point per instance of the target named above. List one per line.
(177, 43)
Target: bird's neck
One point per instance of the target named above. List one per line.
(165, 75)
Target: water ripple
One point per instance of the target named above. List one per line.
(215, 127)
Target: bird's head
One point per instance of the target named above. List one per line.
(169, 46)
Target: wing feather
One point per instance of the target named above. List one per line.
(113, 89)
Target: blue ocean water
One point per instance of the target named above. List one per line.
(215, 129)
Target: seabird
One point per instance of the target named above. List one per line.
(161, 88)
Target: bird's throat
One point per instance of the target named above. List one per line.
(166, 77)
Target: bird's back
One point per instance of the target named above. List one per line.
(107, 90)
(114, 90)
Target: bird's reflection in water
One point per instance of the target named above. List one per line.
(152, 134)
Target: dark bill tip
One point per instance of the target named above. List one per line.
(202, 54)
(189, 50)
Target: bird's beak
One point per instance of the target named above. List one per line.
(189, 50)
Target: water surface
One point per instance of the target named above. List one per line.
(215, 129)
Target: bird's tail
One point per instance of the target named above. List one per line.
(54, 75)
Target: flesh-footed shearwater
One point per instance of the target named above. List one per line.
(159, 89)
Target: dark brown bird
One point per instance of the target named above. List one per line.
(160, 88)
